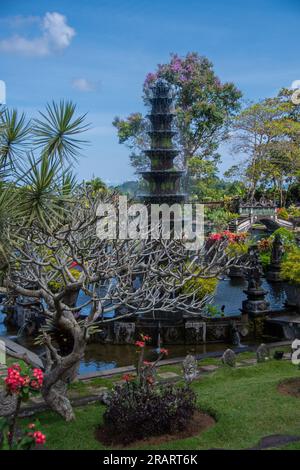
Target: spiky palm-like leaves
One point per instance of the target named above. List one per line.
(35, 159)
(56, 133)
(14, 138)
(45, 192)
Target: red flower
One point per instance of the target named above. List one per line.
(146, 337)
(39, 437)
(128, 377)
(164, 351)
(215, 236)
(140, 344)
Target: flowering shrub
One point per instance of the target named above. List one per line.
(287, 213)
(21, 381)
(230, 236)
(27, 438)
(264, 245)
(141, 408)
(282, 213)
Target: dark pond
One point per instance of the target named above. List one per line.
(107, 356)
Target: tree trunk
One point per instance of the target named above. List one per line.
(56, 398)
(61, 373)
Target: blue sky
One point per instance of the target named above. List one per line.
(97, 53)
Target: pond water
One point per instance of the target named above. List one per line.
(107, 356)
(230, 293)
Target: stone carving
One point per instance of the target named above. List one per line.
(196, 331)
(229, 358)
(190, 368)
(273, 273)
(255, 304)
(124, 332)
(234, 334)
(262, 353)
(277, 249)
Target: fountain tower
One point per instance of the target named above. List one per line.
(163, 177)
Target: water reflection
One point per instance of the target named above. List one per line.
(230, 293)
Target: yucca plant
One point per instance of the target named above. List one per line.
(36, 156)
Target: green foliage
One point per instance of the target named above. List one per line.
(204, 287)
(57, 284)
(203, 108)
(265, 259)
(267, 133)
(55, 133)
(220, 218)
(290, 266)
(287, 237)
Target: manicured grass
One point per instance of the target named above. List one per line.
(244, 401)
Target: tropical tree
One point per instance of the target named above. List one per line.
(267, 135)
(203, 106)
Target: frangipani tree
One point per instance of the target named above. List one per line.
(106, 273)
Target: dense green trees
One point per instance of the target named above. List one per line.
(267, 135)
(203, 106)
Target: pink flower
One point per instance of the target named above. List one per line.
(140, 344)
(164, 351)
(39, 437)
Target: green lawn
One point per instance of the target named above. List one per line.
(244, 402)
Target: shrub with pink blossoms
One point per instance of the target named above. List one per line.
(21, 381)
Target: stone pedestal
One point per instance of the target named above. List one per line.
(273, 274)
(255, 304)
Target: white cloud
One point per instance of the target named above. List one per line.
(56, 35)
(83, 84)
(295, 85)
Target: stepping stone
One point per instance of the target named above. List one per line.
(250, 362)
(209, 368)
(168, 375)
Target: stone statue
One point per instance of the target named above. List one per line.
(277, 250)
(262, 353)
(190, 368)
(229, 358)
(273, 273)
(255, 269)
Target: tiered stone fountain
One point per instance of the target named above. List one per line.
(163, 178)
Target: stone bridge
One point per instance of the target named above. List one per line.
(262, 212)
